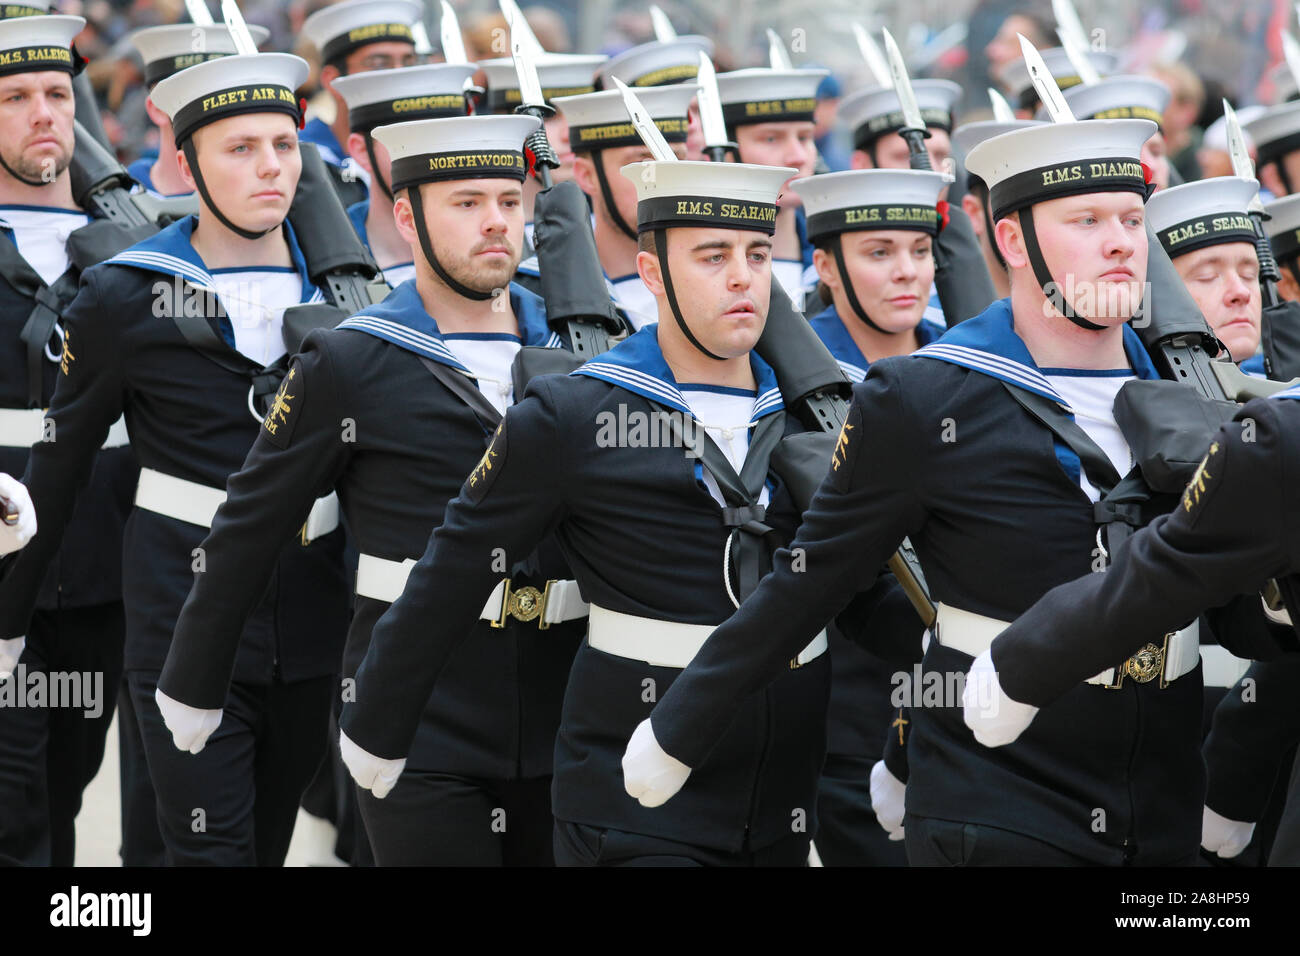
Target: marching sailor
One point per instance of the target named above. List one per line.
(1276, 135)
(48, 755)
(1126, 97)
(181, 331)
(380, 98)
(420, 382)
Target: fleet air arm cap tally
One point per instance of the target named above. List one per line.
(34, 44)
(1276, 131)
(761, 95)
(340, 28)
(560, 74)
(1033, 165)
(242, 83)
(1117, 97)
(600, 121)
(382, 97)
(969, 135)
(708, 195)
(861, 199)
(1014, 75)
(873, 112)
(457, 147)
(1283, 227)
(655, 64)
(169, 49)
(1207, 212)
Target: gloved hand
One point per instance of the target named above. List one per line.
(15, 536)
(887, 793)
(650, 775)
(10, 651)
(992, 716)
(1224, 837)
(370, 772)
(190, 726)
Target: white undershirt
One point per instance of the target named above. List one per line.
(255, 300)
(1093, 399)
(489, 358)
(725, 418)
(632, 296)
(790, 273)
(41, 236)
(396, 275)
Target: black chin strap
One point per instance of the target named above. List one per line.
(837, 252)
(374, 169)
(1051, 288)
(421, 230)
(661, 248)
(598, 160)
(993, 239)
(192, 158)
(23, 179)
(1280, 165)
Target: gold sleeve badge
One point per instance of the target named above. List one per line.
(1201, 478)
(280, 417)
(488, 467)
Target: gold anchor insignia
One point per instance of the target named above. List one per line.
(68, 357)
(1196, 487)
(280, 407)
(1146, 664)
(525, 604)
(485, 463)
(841, 446)
(900, 721)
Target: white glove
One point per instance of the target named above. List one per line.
(15, 536)
(10, 651)
(887, 793)
(992, 716)
(370, 772)
(190, 726)
(650, 775)
(1224, 837)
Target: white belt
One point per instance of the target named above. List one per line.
(197, 504)
(559, 601)
(664, 643)
(25, 427)
(972, 634)
(1219, 668)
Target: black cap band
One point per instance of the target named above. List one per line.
(466, 164)
(363, 119)
(1129, 112)
(865, 134)
(12, 11)
(799, 110)
(667, 212)
(1212, 230)
(356, 38)
(508, 98)
(1028, 98)
(1286, 245)
(171, 65)
(1278, 148)
(668, 75)
(880, 216)
(1067, 179)
(252, 98)
(615, 135)
(37, 59)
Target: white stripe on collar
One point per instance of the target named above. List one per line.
(623, 375)
(996, 365)
(165, 262)
(403, 334)
(854, 373)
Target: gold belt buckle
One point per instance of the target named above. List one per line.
(525, 604)
(1144, 666)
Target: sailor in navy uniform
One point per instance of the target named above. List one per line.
(167, 50)
(872, 230)
(383, 97)
(423, 396)
(1282, 226)
(945, 447)
(659, 542)
(48, 755)
(769, 115)
(354, 37)
(196, 315)
(1126, 97)
(1015, 82)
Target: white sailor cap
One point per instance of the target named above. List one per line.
(1014, 76)
(871, 199)
(1282, 226)
(340, 28)
(1053, 160)
(36, 8)
(1276, 131)
(457, 147)
(709, 195)
(382, 97)
(873, 112)
(761, 95)
(655, 64)
(169, 49)
(242, 83)
(1117, 97)
(561, 74)
(969, 135)
(1208, 212)
(600, 121)
(34, 44)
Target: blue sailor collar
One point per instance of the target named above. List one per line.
(318, 133)
(637, 364)
(988, 343)
(402, 320)
(1292, 392)
(357, 213)
(170, 252)
(830, 329)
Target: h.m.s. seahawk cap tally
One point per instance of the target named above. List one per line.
(761, 95)
(874, 112)
(37, 43)
(1283, 230)
(560, 74)
(1014, 75)
(340, 28)
(167, 50)
(655, 64)
(1117, 97)
(1208, 212)
(457, 147)
(868, 199)
(1276, 132)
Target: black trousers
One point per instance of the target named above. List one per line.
(48, 754)
(438, 819)
(932, 842)
(235, 802)
(577, 844)
(848, 833)
(142, 843)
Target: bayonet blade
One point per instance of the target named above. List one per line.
(453, 44)
(777, 55)
(1070, 28)
(530, 86)
(238, 29)
(1045, 83)
(421, 37)
(199, 12)
(664, 31)
(1078, 59)
(645, 126)
(1241, 164)
(902, 85)
(519, 28)
(871, 53)
(1002, 111)
(710, 103)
